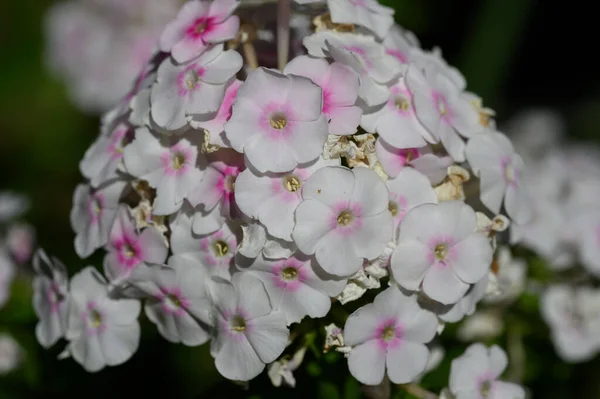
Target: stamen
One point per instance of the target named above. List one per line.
(345, 218)
(292, 184)
(221, 248)
(289, 273)
(278, 121)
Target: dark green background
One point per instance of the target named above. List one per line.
(514, 53)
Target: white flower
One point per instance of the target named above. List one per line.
(466, 305)
(364, 55)
(277, 121)
(11, 354)
(343, 219)
(399, 43)
(481, 325)
(272, 198)
(367, 13)
(389, 334)
(334, 337)
(249, 334)
(572, 314)
(127, 248)
(500, 169)
(93, 214)
(12, 205)
(170, 169)
(442, 110)
(213, 252)
(281, 371)
(587, 230)
(296, 286)
(102, 331)
(439, 248)
(50, 293)
(197, 88)
(177, 301)
(433, 60)
(475, 374)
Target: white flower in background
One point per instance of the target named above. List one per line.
(511, 275)
(367, 13)
(274, 125)
(169, 168)
(20, 240)
(281, 371)
(7, 275)
(476, 374)
(199, 24)
(197, 88)
(213, 252)
(127, 248)
(434, 62)
(389, 335)
(467, 304)
(272, 198)
(11, 354)
(296, 286)
(93, 214)
(340, 91)
(102, 331)
(176, 301)
(362, 54)
(587, 227)
(572, 314)
(343, 219)
(439, 249)
(481, 325)
(500, 169)
(442, 110)
(12, 206)
(50, 294)
(249, 334)
(399, 43)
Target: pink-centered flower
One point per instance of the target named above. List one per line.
(199, 24)
(393, 160)
(50, 293)
(340, 91)
(277, 121)
(439, 250)
(213, 197)
(476, 374)
(127, 248)
(93, 214)
(368, 58)
(249, 334)
(272, 198)
(102, 159)
(194, 89)
(343, 219)
(297, 286)
(215, 125)
(20, 240)
(389, 335)
(442, 110)
(169, 166)
(213, 252)
(367, 13)
(176, 301)
(500, 170)
(102, 331)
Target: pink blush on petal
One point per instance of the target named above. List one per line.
(441, 104)
(389, 334)
(399, 55)
(118, 140)
(281, 268)
(129, 252)
(355, 222)
(95, 207)
(275, 110)
(173, 301)
(200, 27)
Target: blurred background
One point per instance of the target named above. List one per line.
(515, 54)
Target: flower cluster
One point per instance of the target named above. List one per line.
(565, 229)
(234, 200)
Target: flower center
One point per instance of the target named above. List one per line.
(441, 250)
(278, 121)
(191, 79)
(345, 218)
(95, 318)
(292, 184)
(221, 248)
(401, 103)
(178, 160)
(393, 208)
(485, 388)
(128, 250)
(174, 300)
(96, 206)
(509, 173)
(441, 104)
(388, 333)
(200, 27)
(230, 183)
(238, 323)
(289, 273)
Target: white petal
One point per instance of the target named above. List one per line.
(406, 361)
(367, 363)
